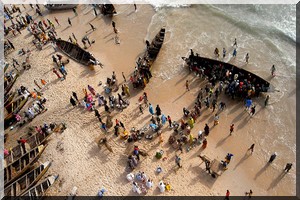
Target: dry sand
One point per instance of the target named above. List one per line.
(83, 165)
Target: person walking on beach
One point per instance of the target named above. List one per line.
(187, 85)
(75, 96)
(273, 69)
(69, 21)
(224, 53)
(22, 142)
(235, 43)
(93, 28)
(227, 195)
(288, 167)
(251, 148)
(158, 110)
(72, 101)
(272, 158)
(206, 130)
(249, 194)
(267, 100)
(124, 77)
(113, 24)
(231, 129)
(10, 44)
(134, 7)
(141, 108)
(75, 12)
(95, 12)
(151, 109)
(74, 37)
(247, 58)
(178, 161)
(234, 53)
(170, 121)
(252, 111)
(204, 143)
(103, 126)
(56, 72)
(56, 20)
(97, 114)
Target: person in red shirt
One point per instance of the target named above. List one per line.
(170, 121)
(227, 195)
(22, 142)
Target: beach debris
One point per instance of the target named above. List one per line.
(73, 193)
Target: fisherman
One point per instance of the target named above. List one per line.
(288, 167)
(231, 129)
(251, 148)
(56, 21)
(72, 101)
(272, 158)
(69, 21)
(247, 58)
(93, 28)
(273, 69)
(267, 100)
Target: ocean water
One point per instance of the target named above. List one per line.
(266, 32)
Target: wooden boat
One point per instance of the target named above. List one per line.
(33, 141)
(13, 108)
(107, 9)
(60, 6)
(27, 181)
(14, 170)
(75, 52)
(38, 191)
(9, 97)
(149, 57)
(216, 70)
(9, 80)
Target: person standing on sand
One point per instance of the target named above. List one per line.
(126, 88)
(204, 143)
(93, 28)
(113, 24)
(288, 167)
(252, 111)
(187, 85)
(74, 37)
(224, 53)
(273, 69)
(272, 158)
(92, 90)
(141, 108)
(231, 129)
(56, 20)
(134, 7)
(227, 195)
(95, 12)
(234, 53)
(103, 125)
(247, 58)
(170, 121)
(267, 100)
(249, 194)
(11, 44)
(136, 152)
(72, 101)
(178, 161)
(75, 96)
(75, 12)
(206, 130)
(69, 21)
(124, 77)
(151, 109)
(56, 72)
(251, 148)
(158, 110)
(98, 115)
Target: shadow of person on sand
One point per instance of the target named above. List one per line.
(262, 170)
(247, 155)
(277, 180)
(222, 141)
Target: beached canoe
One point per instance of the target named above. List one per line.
(33, 141)
(107, 9)
(16, 169)
(60, 6)
(13, 108)
(145, 62)
(216, 70)
(38, 191)
(9, 80)
(76, 52)
(25, 182)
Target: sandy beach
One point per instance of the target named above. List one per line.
(84, 165)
